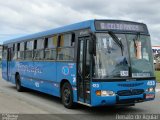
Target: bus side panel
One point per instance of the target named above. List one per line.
(12, 71)
(39, 75)
(4, 69)
(25, 70)
(67, 71)
(46, 75)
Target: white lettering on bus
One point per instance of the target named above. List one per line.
(29, 68)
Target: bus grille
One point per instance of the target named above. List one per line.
(130, 92)
(130, 85)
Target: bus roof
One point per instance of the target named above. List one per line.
(75, 26)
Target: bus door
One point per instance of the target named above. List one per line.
(83, 70)
(9, 64)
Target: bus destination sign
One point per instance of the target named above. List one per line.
(121, 26)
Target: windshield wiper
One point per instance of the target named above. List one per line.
(115, 38)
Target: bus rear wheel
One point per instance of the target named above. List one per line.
(67, 95)
(18, 83)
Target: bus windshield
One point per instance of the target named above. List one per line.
(140, 55)
(114, 60)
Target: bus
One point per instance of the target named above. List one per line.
(94, 63)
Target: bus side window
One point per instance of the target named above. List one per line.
(47, 51)
(73, 40)
(50, 48)
(18, 50)
(21, 50)
(4, 53)
(35, 47)
(66, 47)
(35, 44)
(13, 52)
(39, 49)
(29, 49)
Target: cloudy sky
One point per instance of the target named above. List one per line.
(21, 17)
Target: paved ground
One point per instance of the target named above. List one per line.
(32, 102)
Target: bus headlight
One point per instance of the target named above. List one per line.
(104, 93)
(151, 89)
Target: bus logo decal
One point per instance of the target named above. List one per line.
(65, 70)
(29, 68)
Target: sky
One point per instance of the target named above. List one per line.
(22, 17)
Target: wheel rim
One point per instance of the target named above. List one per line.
(66, 96)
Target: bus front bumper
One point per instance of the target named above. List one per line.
(122, 100)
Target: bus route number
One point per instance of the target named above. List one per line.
(150, 83)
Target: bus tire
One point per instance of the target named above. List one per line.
(67, 95)
(18, 83)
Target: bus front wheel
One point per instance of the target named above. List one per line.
(18, 83)
(67, 95)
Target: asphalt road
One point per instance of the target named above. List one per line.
(35, 105)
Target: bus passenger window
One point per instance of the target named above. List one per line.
(73, 40)
(35, 44)
(40, 44)
(39, 49)
(20, 50)
(29, 49)
(65, 47)
(52, 42)
(4, 53)
(18, 46)
(13, 52)
(50, 48)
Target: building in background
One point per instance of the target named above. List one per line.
(156, 49)
(156, 53)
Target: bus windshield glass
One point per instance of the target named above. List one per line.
(140, 55)
(116, 53)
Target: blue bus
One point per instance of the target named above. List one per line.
(94, 63)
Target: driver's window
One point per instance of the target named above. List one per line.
(81, 57)
(87, 72)
(84, 55)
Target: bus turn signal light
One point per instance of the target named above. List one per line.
(105, 93)
(98, 92)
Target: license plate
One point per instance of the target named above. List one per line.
(149, 96)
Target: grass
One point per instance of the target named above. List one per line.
(157, 73)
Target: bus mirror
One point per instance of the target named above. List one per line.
(92, 45)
